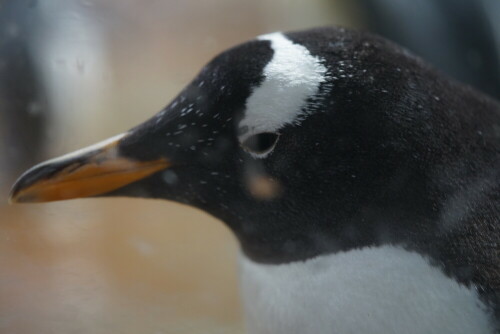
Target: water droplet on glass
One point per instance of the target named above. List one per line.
(34, 108)
(169, 177)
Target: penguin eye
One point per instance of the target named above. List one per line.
(260, 144)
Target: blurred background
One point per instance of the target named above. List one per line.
(74, 72)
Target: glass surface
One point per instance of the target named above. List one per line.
(74, 72)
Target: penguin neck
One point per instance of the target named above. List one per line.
(304, 239)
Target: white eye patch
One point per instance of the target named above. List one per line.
(290, 78)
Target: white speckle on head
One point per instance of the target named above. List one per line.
(291, 77)
(369, 290)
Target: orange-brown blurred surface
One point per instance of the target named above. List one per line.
(127, 265)
(109, 266)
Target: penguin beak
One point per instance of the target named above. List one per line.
(92, 171)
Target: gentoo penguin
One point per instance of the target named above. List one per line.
(361, 184)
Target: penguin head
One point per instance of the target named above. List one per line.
(296, 141)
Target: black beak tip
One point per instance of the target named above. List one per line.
(21, 183)
(28, 178)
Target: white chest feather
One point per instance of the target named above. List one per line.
(380, 290)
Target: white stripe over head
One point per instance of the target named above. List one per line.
(291, 77)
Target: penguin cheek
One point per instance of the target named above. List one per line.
(258, 183)
(264, 188)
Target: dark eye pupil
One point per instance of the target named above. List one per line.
(261, 142)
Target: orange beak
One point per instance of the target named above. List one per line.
(93, 171)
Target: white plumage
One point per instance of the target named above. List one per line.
(384, 290)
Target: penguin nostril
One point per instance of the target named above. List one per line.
(260, 144)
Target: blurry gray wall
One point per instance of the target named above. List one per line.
(460, 37)
(22, 98)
